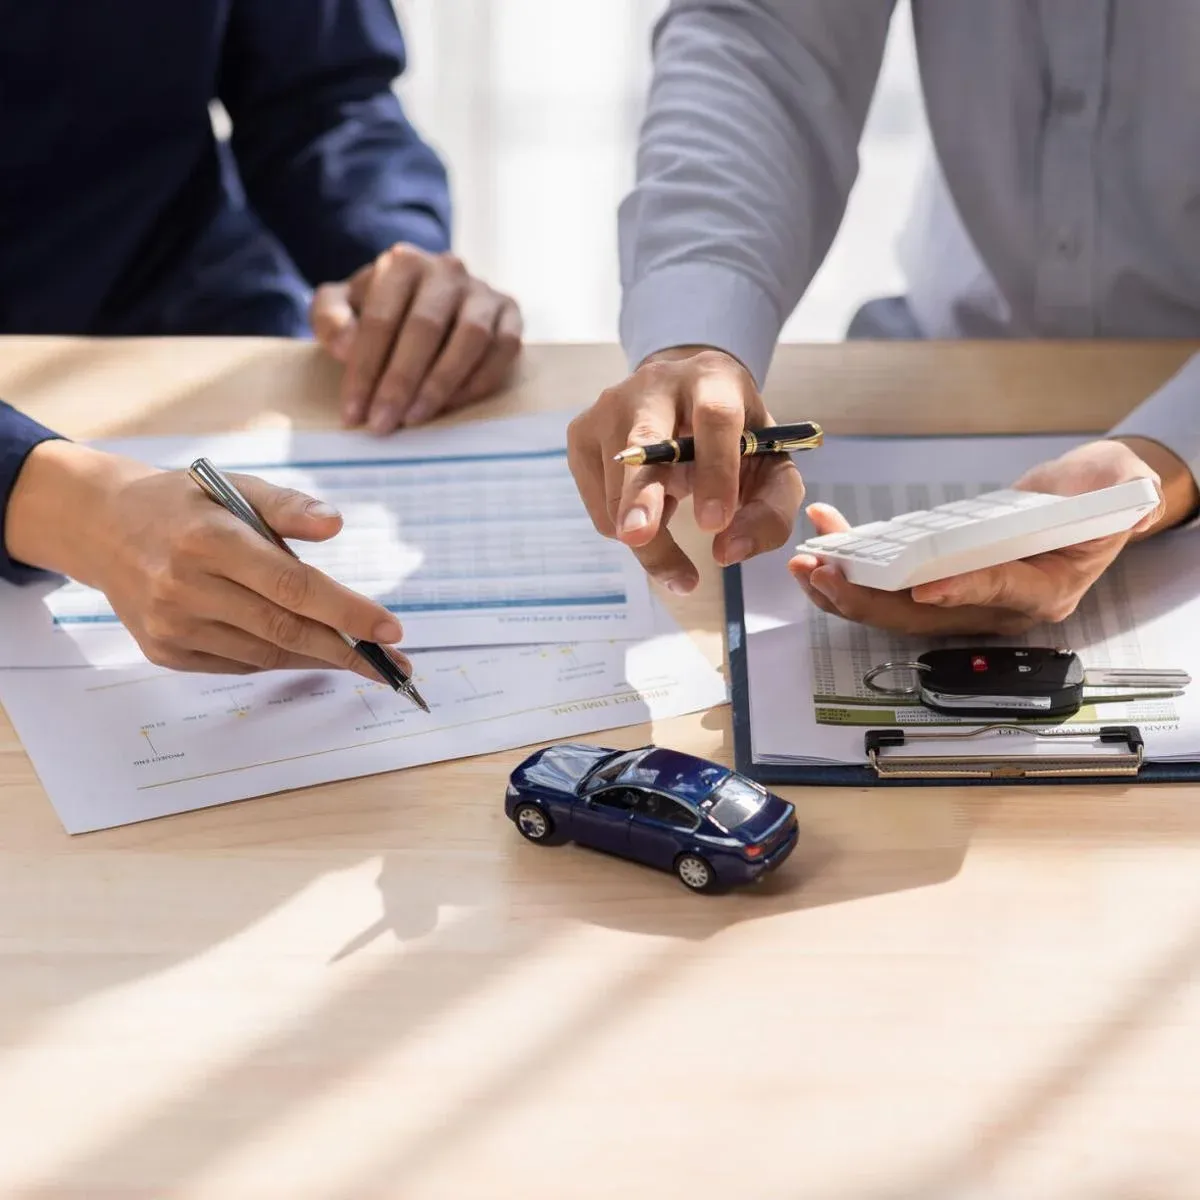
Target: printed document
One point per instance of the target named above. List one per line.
(118, 745)
(473, 535)
(807, 699)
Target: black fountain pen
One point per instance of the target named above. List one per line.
(220, 489)
(778, 439)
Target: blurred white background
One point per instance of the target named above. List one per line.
(535, 105)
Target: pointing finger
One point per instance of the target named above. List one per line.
(718, 418)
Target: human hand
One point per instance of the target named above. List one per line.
(418, 336)
(1006, 599)
(197, 588)
(749, 505)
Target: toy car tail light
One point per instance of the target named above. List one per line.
(754, 851)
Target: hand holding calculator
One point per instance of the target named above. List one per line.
(969, 535)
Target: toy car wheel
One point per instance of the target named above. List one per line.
(695, 872)
(534, 822)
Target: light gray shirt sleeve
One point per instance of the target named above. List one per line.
(748, 152)
(1171, 416)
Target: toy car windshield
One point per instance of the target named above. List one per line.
(734, 801)
(610, 769)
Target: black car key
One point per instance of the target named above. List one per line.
(1014, 681)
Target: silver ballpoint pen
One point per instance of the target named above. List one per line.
(222, 490)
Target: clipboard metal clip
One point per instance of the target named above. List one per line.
(1106, 763)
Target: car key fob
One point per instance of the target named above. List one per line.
(1018, 681)
(1002, 681)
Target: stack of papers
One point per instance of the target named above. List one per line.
(808, 704)
(524, 625)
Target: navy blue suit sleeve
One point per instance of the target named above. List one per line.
(327, 156)
(18, 436)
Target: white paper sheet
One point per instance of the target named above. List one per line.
(807, 701)
(118, 745)
(473, 536)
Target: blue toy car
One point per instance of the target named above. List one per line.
(709, 825)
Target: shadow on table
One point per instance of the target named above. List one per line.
(578, 884)
(969, 1170)
(454, 945)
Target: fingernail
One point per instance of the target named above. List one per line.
(819, 584)
(382, 420)
(933, 598)
(712, 515)
(422, 409)
(354, 398)
(321, 510)
(738, 549)
(388, 630)
(352, 413)
(635, 519)
(681, 587)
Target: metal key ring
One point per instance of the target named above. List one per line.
(870, 677)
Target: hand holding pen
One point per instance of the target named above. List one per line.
(195, 589)
(748, 502)
(383, 663)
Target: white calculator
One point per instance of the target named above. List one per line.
(966, 535)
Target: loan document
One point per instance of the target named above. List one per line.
(146, 743)
(473, 535)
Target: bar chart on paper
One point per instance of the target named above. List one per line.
(472, 537)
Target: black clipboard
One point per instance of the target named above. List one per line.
(1136, 769)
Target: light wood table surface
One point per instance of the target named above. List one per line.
(378, 989)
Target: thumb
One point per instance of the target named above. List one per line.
(290, 513)
(333, 319)
(1159, 511)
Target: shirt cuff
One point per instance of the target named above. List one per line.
(1171, 417)
(701, 304)
(19, 434)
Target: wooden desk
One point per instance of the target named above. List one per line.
(378, 989)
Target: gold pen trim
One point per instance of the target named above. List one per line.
(789, 444)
